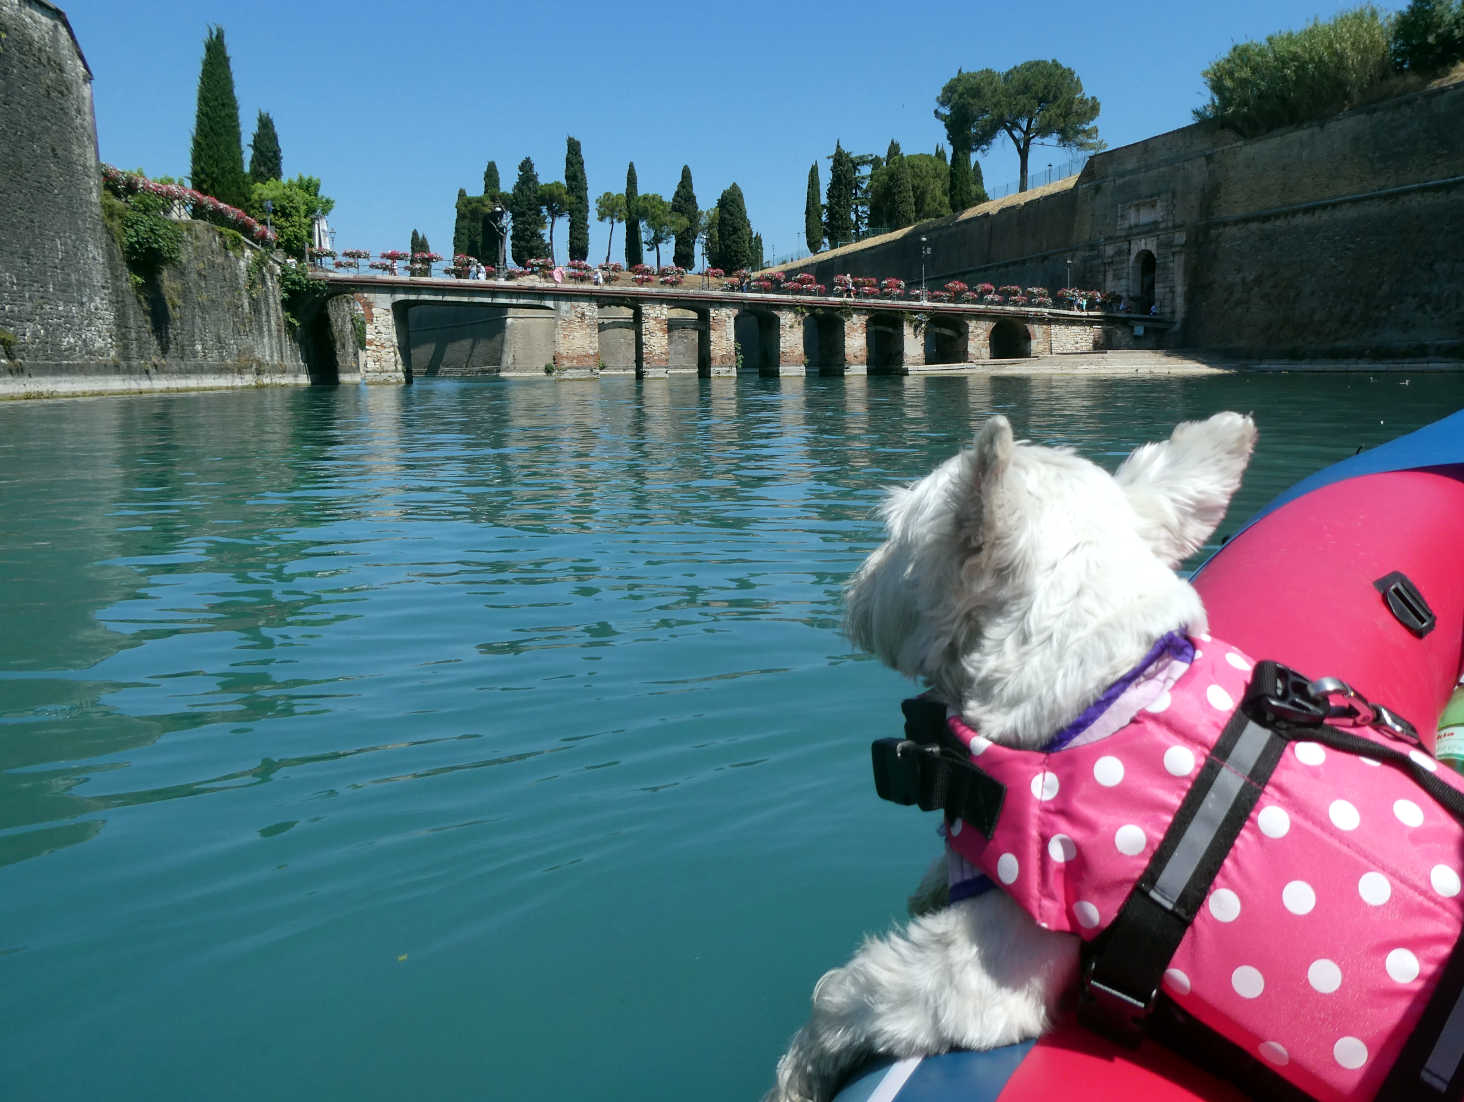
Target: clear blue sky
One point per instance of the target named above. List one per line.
(395, 105)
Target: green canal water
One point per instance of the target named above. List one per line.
(479, 739)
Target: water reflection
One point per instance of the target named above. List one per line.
(282, 670)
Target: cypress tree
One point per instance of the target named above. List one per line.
(634, 254)
(217, 162)
(901, 211)
(466, 226)
(734, 232)
(813, 212)
(961, 194)
(527, 239)
(265, 162)
(491, 187)
(416, 245)
(839, 203)
(579, 200)
(683, 203)
(758, 259)
(978, 184)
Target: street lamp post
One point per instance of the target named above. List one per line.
(1069, 263)
(924, 252)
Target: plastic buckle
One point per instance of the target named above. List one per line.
(1116, 1014)
(1278, 694)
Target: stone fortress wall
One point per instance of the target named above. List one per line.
(70, 320)
(1334, 239)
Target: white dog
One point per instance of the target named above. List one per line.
(1017, 582)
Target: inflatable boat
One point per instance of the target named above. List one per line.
(1357, 573)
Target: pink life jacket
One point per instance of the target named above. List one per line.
(1327, 926)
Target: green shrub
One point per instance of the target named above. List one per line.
(1428, 36)
(358, 323)
(300, 295)
(8, 341)
(1299, 76)
(150, 240)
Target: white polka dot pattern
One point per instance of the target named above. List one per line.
(1108, 771)
(1225, 905)
(1274, 822)
(1179, 761)
(1408, 813)
(1006, 868)
(1129, 840)
(1298, 897)
(1402, 966)
(1273, 1052)
(1343, 814)
(1309, 753)
(1374, 889)
(1331, 910)
(1324, 976)
(1248, 982)
(1350, 1053)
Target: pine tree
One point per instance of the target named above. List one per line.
(839, 203)
(217, 163)
(265, 162)
(734, 232)
(579, 199)
(491, 187)
(634, 254)
(683, 203)
(813, 212)
(527, 239)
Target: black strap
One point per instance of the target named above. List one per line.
(1124, 965)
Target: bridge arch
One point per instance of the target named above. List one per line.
(885, 341)
(947, 340)
(757, 338)
(823, 342)
(1010, 340)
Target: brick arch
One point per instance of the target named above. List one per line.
(1010, 340)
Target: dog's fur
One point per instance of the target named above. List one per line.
(1018, 582)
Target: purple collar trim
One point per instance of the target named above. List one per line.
(1173, 644)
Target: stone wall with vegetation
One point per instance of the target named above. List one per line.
(1337, 238)
(77, 314)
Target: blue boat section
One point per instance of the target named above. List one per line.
(1440, 444)
(968, 1076)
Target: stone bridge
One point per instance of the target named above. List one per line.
(431, 326)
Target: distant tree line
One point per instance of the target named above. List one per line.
(521, 216)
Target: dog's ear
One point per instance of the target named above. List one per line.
(1180, 488)
(982, 466)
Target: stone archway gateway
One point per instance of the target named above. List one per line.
(1010, 340)
(1142, 281)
